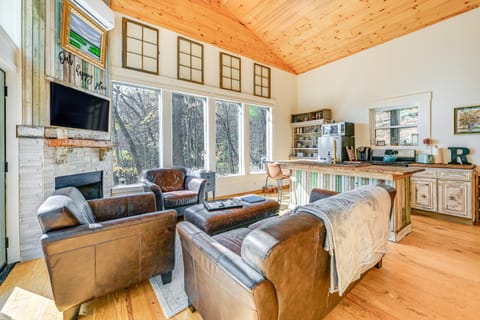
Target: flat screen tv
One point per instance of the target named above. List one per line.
(76, 109)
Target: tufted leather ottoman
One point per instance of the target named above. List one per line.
(213, 222)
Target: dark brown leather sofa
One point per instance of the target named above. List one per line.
(276, 268)
(174, 189)
(95, 247)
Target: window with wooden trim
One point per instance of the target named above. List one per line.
(190, 60)
(395, 126)
(230, 72)
(261, 80)
(140, 46)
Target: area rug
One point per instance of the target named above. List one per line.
(26, 305)
(172, 296)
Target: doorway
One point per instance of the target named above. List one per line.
(3, 245)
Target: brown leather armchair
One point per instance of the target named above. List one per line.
(174, 189)
(95, 247)
(276, 268)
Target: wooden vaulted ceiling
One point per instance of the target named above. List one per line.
(293, 35)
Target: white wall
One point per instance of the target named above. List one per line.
(443, 59)
(10, 19)
(283, 101)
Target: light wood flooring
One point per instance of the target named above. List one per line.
(434, 273)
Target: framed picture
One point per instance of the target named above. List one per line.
(81, 36)
(466, 120)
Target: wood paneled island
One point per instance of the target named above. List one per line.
(309, 174)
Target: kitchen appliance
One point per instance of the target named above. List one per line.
(335, 139)
(327, 144)
(424, 158)
(363, 153)
(338, 129)
(404, 157)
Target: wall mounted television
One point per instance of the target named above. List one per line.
(76, 109)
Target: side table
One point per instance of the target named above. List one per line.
(124, 189)
(210, 185)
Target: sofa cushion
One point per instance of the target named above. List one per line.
(233, 239)
(179, 198)
(77, 204)
(168, 179)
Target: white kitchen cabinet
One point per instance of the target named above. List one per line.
(424, 194)
(443, 190)
(455, 198)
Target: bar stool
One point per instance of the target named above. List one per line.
(275, 172)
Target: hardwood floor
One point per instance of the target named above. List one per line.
(434, 273)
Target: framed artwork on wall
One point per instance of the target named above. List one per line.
(466, 120)
(81, 36)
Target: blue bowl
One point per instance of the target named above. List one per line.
(389, 158)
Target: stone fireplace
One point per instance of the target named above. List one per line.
(46, 153)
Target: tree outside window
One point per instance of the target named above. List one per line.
(397, 126)
(259, 120)
(188, 131)
(135, 112)
(227, 137)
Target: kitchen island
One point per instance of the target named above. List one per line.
(309, 174)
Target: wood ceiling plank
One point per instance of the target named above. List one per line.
(198, 20)
(398, 23)
(294, 35)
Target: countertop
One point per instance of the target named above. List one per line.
(352, 168)
(443, 165)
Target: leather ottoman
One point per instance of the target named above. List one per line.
(217, 221)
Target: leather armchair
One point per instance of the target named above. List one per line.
(276, 268)
(174, 189)
(95, 247)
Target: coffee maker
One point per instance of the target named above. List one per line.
(364, 153)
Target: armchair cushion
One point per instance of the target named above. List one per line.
(180, 198)
(167, 179)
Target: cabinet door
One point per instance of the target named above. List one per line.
(454, 198)
(424, 194)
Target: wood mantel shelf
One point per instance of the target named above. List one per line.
(79, 143)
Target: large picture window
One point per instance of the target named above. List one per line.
(396, 126)
(227, 115)
(260, 128)
(188, 130)
(136, 131)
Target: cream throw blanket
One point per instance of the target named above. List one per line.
(357, 231)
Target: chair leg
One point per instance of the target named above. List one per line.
(280, 190)
(166, 277)
(265, 187)
(72, 313)
(191, 307)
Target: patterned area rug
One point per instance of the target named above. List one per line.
(172, 296)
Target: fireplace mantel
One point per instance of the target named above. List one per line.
(79, 143)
